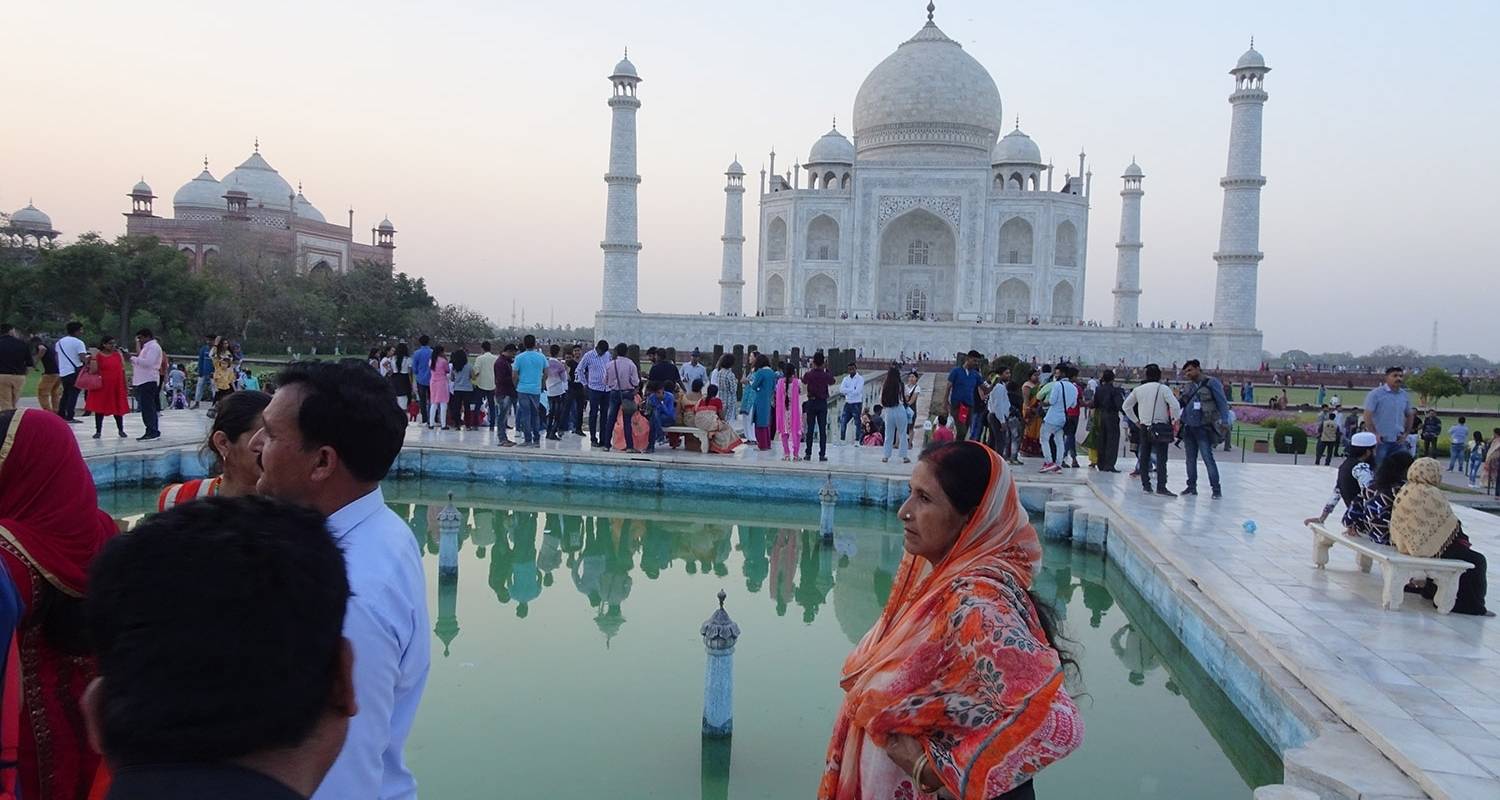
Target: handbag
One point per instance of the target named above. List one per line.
(89, 380)
(1161, 432)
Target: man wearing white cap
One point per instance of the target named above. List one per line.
(1355, 474)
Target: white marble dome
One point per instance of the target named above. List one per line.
(625, 69)
(31, 218)
(1133, 171)
(929, 99)
(832, 148)
(306, 210)
(1252, 59)
(141, 187)
(1017, 148)
(734, 168)
(264, 184)
(385, 225)
(204, 191)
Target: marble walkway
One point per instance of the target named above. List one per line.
(1422, 687)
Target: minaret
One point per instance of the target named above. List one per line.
(1239, 229)
(1128, 263)
(731, 282)
(620, 245)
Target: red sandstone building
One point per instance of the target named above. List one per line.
(254, 207)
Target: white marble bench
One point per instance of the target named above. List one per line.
(689, 430)
(1395, 568)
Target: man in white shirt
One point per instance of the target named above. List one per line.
(71, 352)
(694, 370)
(331, 434)
(852, 387)
(145, 375)
(1150, 404)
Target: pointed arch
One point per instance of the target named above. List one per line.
(775, 296)
(1016, 182)
(822, 239)
(1062, 302)
(776, 240)
(844, 184)
(820, 298)
(918, 250)
(1066, 252)
(1016, 245)
(1013, 301)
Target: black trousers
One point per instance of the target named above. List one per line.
(1326, 452)
(1109, 440)
(1148, 450)
(817, 418)
(148, 400)
(1472, 583)
(69, 406)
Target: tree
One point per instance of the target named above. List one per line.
(462, 325)
(1435, 383)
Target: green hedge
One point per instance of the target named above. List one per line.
(1297, 436)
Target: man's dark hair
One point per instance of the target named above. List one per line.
(529, 341)
(652, 387)
(145, 333)
(74, 327)
(1153, 372)
(622, 350)
(485, 346)
(601, 345)
(510, 347)
(347, 406)
(975, 354)
(1108, 376)
(218, 627)
(818, 359)
(1192, 362)
(423, 340)
(1462, 420)
(210, 336)
(5, 327)
(1389, 370)
(554, 350)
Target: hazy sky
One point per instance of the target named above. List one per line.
(481, 129)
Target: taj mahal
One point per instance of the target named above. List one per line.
(930, 231)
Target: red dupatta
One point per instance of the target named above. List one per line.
(49, 509)
(51, 528)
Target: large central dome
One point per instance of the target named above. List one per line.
(929, 100)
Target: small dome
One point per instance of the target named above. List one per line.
(1252, 59)
(625, 69)
(386, 225)
(1017, 148)
(1133, 171)
(31, 218)
(262, 182)
(735, 168)
(141, 187)
(832, 148)
(306, 210)
(204, 191)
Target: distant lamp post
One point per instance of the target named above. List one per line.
(719, 636)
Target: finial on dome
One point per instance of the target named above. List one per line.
(930, 8)
(1018, 122)
(299, 187)
(205, 160)
(835, 121)
(257, 144)
(1252, 42)
(627, 52)
(722, 597)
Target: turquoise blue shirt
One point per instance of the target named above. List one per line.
(529, 367)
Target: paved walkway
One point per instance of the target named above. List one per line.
(1423, 687)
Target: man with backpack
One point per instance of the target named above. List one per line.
(1205, 411)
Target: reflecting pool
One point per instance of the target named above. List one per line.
(567, 661)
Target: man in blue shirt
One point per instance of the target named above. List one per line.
(962, 384)
(205, 371)
(421, 371)
(529, 367)
(1389, 413)
(1204, 411)
(663, 412)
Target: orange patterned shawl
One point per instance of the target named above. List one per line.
(959, 661)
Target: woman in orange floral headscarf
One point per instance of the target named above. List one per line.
(51, 529)
(957, 691)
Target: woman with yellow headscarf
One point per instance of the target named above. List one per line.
(1423, 524)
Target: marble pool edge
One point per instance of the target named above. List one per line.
(1319, 751)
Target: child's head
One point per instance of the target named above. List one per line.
(654, 387)
(942, 420)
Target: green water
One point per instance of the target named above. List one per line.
(567, 661)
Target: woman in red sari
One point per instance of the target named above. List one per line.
(958, 690)
(111, 398)
(51, 528)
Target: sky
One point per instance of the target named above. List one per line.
(481, 128)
